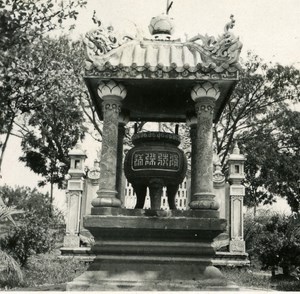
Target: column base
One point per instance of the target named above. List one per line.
(149, 274)
(140, 250)
(106, 198)
(71, 241)
(204, 201)
(237, 246)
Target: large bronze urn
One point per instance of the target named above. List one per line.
(155, 161)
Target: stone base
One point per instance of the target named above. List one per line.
(150, 274)
(152, 251)
(231, 259)
(71, 241)
(81, 253)
(237, 246)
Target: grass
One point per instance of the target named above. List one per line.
(246, 278)
(47, 272)
(47, 269)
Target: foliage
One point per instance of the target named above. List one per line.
(273, 161)
(37, 228)
(7, 212)
(28, 238)
(22, 24)
(53, 122)
(32, 202)
(10, 272)
(275, 240)
(263, 90)
(258, 116)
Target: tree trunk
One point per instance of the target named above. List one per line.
(3, 148)
(273, 271)
(51, 195)
(286, 270)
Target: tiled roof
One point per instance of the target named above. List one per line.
(155, 55)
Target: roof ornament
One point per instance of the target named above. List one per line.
(102, 40)
(169, 5)
(223, 51)
(230, 24)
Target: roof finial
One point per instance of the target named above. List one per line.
(169, 5)
(230, 24)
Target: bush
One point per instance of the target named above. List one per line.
(37, 229)
(274, 239)
(30, 237)
(10, 272)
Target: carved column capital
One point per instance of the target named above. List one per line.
(107, 89)
(205, 90)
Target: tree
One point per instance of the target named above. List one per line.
(22, 23)
(52, 122)
(56, 123)
(256, 117)
(273, 161)
(263, 90)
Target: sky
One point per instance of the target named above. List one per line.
(270, 28)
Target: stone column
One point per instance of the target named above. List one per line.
(119, 180)
(112, 94)
(204, 95)
(192, 123)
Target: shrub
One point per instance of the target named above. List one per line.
(274, 239)
(10, 272)
(32, 236)
(37, 229)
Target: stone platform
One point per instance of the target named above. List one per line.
(144, 250)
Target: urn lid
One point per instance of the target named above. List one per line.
(156, 137)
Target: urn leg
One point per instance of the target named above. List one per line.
(140, 191)
(171, 192)
(156, 190)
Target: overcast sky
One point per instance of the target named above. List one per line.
(271, 28)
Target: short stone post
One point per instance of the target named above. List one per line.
(112, 94)
(74, 194)
(204, 95)
(237, 193)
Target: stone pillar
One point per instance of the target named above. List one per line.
(192, 123)
(112, 94)
(204, 95)
(119, 178)
(237, 193)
